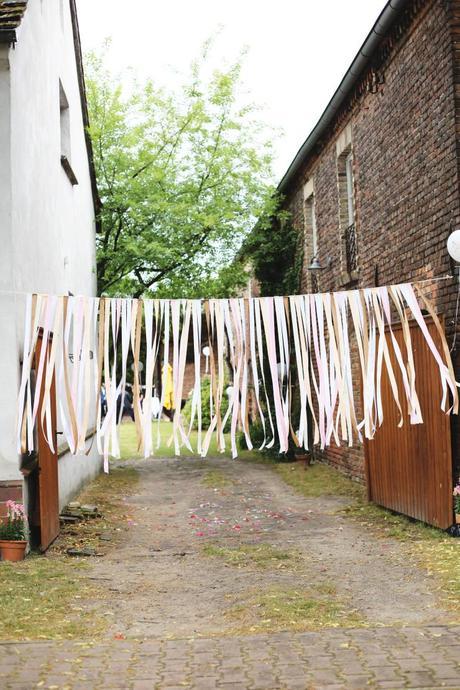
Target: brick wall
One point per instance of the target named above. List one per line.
(405, 168)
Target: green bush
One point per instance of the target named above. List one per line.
(256, 434)
(205, 406)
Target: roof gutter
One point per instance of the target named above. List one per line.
(11, 15)
(388, 15)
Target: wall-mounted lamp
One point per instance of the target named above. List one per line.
(453, 247)
(315, 266)
(206, 351)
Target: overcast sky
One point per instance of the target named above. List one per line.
(298, 50)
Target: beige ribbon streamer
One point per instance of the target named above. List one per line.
(260, 338)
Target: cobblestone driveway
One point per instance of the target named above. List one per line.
(330, 660)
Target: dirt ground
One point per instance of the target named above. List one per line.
(190, 564)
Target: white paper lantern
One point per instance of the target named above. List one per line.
(453, 245)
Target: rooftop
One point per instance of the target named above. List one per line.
(392, 10)
(11, 14)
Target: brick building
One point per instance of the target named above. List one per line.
(374, 189)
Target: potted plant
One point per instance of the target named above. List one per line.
(456, 493)
(302, 455)
(13, 533)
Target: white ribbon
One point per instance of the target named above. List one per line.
(266, 341)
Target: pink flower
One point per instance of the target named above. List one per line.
(456, 491)
(15, 510)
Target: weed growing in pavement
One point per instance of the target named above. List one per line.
(260, 557)
(293, 609)
(216, 479)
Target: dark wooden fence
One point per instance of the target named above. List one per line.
(409, 469)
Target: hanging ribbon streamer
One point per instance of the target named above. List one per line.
(286, 363)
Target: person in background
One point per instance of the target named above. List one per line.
(103, 402)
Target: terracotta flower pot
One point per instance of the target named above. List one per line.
(457, 518)
(12, 550)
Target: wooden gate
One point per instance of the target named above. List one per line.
(48, 485)
(409, 469)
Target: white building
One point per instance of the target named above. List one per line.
(48, 201)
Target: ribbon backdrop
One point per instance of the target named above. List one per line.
(264, 345)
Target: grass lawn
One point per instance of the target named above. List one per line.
(319, 480)
(42, 597)
(128, 442)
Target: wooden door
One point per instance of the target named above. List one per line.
(48, 485)
(409, 469)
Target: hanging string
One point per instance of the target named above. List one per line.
(456, 317)
(25, 293)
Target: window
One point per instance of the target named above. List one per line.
(350, 193)
(65, 135)
(349, 245)
(311, 231)
(65, 122)
(310, 226)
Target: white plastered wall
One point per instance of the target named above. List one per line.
(47, 227)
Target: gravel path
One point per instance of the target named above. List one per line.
(162, 584)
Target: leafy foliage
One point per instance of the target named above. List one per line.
(456, 494)
(182, 178)
(205, 406)
(274, 250)
(274, 253)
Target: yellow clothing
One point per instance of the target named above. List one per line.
(168, 387)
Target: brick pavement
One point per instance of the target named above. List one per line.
(386, 658)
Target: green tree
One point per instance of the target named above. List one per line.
(274, 252)
(182, 178)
